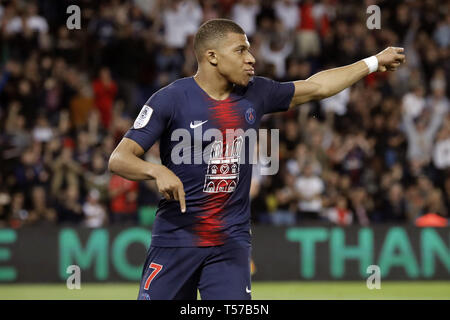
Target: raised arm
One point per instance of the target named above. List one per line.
(329, 82)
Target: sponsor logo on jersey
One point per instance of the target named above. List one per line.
(193, 126)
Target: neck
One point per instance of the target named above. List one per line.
(216, 86)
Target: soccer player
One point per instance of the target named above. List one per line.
(201, 233)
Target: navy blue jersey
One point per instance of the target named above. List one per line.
(217, 188)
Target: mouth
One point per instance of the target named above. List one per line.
(250, 72)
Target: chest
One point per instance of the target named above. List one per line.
(200, 115)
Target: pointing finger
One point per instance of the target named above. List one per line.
(182, 199)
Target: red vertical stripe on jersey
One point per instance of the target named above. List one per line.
(209, 228)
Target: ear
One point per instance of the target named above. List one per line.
(211, 56)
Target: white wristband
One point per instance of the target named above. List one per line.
(372, 63)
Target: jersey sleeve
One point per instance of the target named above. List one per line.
(152, 120)
(276, 95)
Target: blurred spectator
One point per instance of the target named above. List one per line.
(42, 131)
(244, 14)
(286, 198)
(290, 138)
(81, 107)
(336, 104)
(30, 21)
(287, 12)
(340, 214)
(40, 212)
(94, 212)
(210, 10)
(83, 150)
(413, 103)
(66, 172)
(353, 155)
(170, 62)
(181, 19)
(15, 129)
(69, 206)
(28, 171)
(434, 203)
(421, 134)
(442, 33)
(308, 42)
(438, 85)
(415, 203)
(5, 201)
(123, 203)
(309, 187)
(441, 152)
(34, 21)
(18, 214)
(362, 206)
(97, 177)
(275, 51)
(105, 91)
(394, 208)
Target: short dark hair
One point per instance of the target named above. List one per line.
(213, 30)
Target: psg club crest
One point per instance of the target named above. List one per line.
(145, 296)
(250, 115)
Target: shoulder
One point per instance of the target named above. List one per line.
(263, 83)
(259, 81)
(169, 95)
(256, 85)
(176, 87)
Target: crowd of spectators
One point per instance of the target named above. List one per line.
(377, 152)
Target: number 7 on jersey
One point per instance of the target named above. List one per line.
(157, 268)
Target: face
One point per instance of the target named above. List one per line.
(342, 203)
(308, 171)
(395, 193)
(234, 60)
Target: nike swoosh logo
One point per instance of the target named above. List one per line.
(247, 290)
(193, 126)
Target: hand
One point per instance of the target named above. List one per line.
(170, 186)
(390, 59)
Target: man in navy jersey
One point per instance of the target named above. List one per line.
(201, 234)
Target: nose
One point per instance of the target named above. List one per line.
(250, 59)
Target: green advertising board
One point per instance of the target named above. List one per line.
(299, 253)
